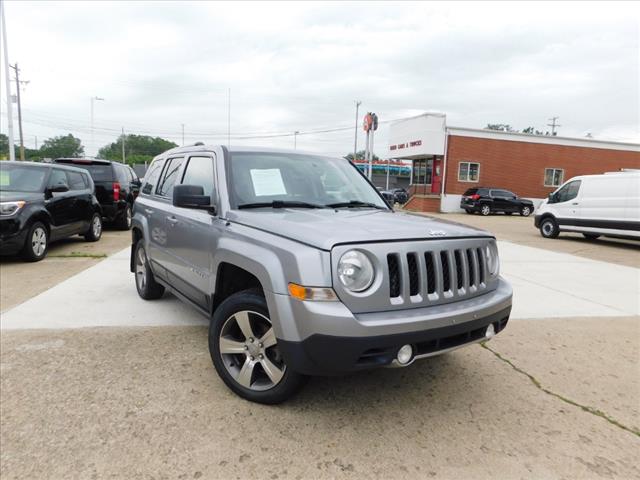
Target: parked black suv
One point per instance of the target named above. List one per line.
(400, 195)
(41, 203)
(487, 200)
(117, 186)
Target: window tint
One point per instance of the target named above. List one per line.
(199, 171)
(151, 177)
(470, 192)
(121, 173)
(76, 181)
(58, 177)
(502, 193)
(568, 192)
(169, 177)
(99, 172)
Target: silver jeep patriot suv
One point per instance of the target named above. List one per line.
(304, 269)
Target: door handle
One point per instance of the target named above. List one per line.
(148, 211)
(172, 220)
(574, 203)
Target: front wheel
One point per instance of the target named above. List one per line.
(95, 229)
(549, 228)
(485, 210)
(525, 211)
(245, 352)
(37, 243)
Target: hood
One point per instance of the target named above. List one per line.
(327, 227)
(11, 196)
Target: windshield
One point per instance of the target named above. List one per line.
(18, 178)
(277, 179)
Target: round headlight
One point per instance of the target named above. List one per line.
(493, 262)
(355, 271)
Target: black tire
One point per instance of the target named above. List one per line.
(591, 236)
(549, 228)
(289, 382)
(95, 228)
(470, 212)
(146, 284)
(526, 211)
(124, 221)
(36, 245)
(485, 210)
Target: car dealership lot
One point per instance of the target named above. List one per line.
(134, 393)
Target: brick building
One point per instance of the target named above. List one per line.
(532, 166)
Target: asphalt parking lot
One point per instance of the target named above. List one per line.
(133, 393)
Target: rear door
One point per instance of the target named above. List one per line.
(500, 201)
(192, 235)
(82, 207)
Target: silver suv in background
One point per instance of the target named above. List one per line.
(303, 269)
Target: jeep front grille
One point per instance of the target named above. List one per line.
(420, 273)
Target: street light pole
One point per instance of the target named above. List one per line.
(12, 153)
(17, 72)
(182, 134)
(295, 139)
(355, 142)
(92, 136)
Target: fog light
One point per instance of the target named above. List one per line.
(490, 332)
(405, 354)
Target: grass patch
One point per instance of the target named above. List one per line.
(585, 408)
(80, 255)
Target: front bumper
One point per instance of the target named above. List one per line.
(536, 220)
(12, 236)
(334, 341)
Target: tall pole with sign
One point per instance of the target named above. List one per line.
(366, 126)
(12, 151)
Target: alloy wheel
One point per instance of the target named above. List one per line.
(249, 351)
(96, 226)
(141, 269)
(128, 214)
(486, 210)
(526, 211)
(39, 241)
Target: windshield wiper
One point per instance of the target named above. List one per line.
(355, 204)
(281, 204)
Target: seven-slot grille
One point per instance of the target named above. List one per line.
(437, 274)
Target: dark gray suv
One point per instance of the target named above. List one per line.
(304, 269)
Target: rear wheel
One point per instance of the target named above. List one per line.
(485, 210)
(549, 228)
(146, 284)
(124, 222)
(95, 229)
(525, 211)
(245, 352)
(591, 236)
(37, 243)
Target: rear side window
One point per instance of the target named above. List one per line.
(169, 176)
(151, 177)
(471, 191)
(76, 181)
(199, 171)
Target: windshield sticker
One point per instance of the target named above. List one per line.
(267, 182)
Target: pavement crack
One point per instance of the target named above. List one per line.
(585, 408)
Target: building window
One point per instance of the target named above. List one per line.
(468, 172)
(553, 177)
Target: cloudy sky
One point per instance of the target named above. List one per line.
(300, 66)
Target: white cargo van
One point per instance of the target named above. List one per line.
(593, 205)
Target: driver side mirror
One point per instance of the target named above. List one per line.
(59, 188)
(552, 198)
(192, 196)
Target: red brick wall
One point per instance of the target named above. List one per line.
(423, 204)
(520, 166)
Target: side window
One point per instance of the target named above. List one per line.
(57, 177)
(76, 181)
(553, 177)
(199, 171)
(121, 174)
(468, 171)
(568, 192)
(169, 177)
(151, 177)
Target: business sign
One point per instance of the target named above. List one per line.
(418, 136)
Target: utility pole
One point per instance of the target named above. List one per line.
(124, 158)
(17, 72)
(182, 134)
(36, 142)
(553, 125)
(355, 141)
(92, 137)
(229, 120)
(295, 139)
(12, 152)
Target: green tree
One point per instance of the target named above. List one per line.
(62, 146)
(138, 148)
(359, 156)
(4, 146)
(532, 131)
